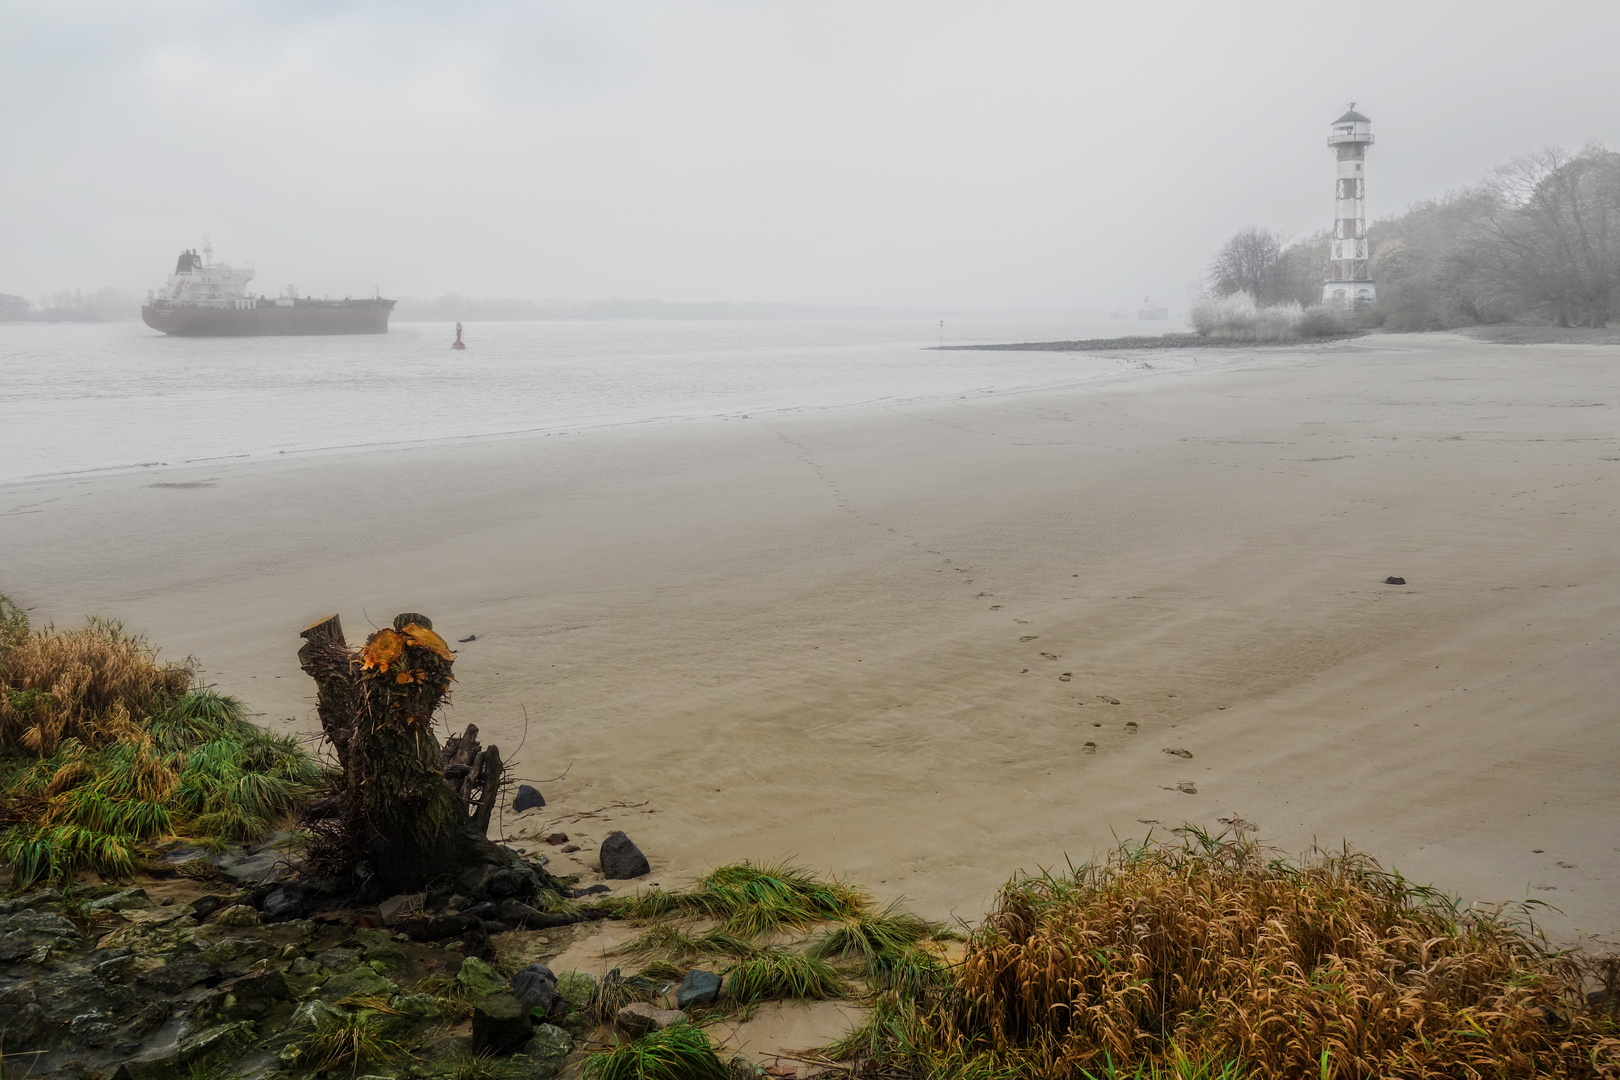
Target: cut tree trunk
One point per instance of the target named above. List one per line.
(416, 814)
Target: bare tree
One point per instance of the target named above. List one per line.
(1250, 262)
(1551, 240)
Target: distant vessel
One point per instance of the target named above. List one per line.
(1150, 310)
(458, 344)
(204, 298)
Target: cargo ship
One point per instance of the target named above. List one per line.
(203, 298)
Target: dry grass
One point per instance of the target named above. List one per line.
(1207, 956)
(90, 685)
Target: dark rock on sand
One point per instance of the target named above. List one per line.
(698, 988)
(621, 858)
(535, 987)
(528, 798)
(1394, 581)
(500, 1024)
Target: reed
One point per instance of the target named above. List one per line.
(1208, 956)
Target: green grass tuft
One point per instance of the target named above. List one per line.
(348, 1042)
(615, 990)
(682, 1052)
(776, 973)
(750, 900)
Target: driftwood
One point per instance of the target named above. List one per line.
(414, 811)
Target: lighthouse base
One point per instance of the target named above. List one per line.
(1349, 295)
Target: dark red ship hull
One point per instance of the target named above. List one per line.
(269, 317)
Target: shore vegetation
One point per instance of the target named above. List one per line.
(1209, 956)
(106, 751)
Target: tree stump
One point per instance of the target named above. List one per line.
(415, 812)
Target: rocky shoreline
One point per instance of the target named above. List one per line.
(233, 962)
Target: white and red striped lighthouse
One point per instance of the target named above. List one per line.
(1349, 281)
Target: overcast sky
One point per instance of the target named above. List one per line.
(942, 154)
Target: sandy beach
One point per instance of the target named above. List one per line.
(926, 647)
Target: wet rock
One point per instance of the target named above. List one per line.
(204, 906)
(500, 1024)
(421, 1006)
(548, 1049)
(535, 987)
(249, 869)
(528, 798)
(640, 1017)
(22, 1027)
(239, 915)
(93, 1028)
(557, 838)
(577, 988)
(698, 988)
(474, 880)
(393, 908)
(181, 973)
(123, 900)
(519, 880)
(337, 960)
(313, 1013)
(264, 985)
(147, 1020)
(39, 926)
(479, 979)
(621, 858)
(363, 981)
(217, 1041)
(282, 905)
(1394, 581)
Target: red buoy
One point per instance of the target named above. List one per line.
(458, 344)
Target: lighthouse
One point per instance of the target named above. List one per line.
(1349, 281)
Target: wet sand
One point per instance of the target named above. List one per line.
(925, 647)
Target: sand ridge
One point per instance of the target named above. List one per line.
(925, 646)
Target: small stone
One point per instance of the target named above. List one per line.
(570, 849)
(363, 981)
(535, 987)
(421, 1006)
(204, 906)
(557, 838)
(479, 979)
(698, 988)
(621, 858)
(266, 985)
(549, 1047)
(577, 988)
(1394, 581)
(500, 1024)
(217, 1041)
(239, 915)
(640, 1017)
(123, 900)
(396, 907)
(282, 905)
(181, 973)
(528, 798)
(22, 1027)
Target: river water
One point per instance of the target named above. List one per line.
(85, 398)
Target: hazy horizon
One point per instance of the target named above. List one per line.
(937, 156)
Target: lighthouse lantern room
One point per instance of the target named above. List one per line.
(1349, 281)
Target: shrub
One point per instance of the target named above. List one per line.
(1182, 958)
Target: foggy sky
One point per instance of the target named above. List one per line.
(936, 154)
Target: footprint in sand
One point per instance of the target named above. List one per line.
(1178, 752)
(1066, 676)
(1029, 637)
(1110, 700)
(1050, 656)
(1565, 865)
(1186, 787)
(1130, 727)
(1148, 821)
(1546, 888)
(1090, 748)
